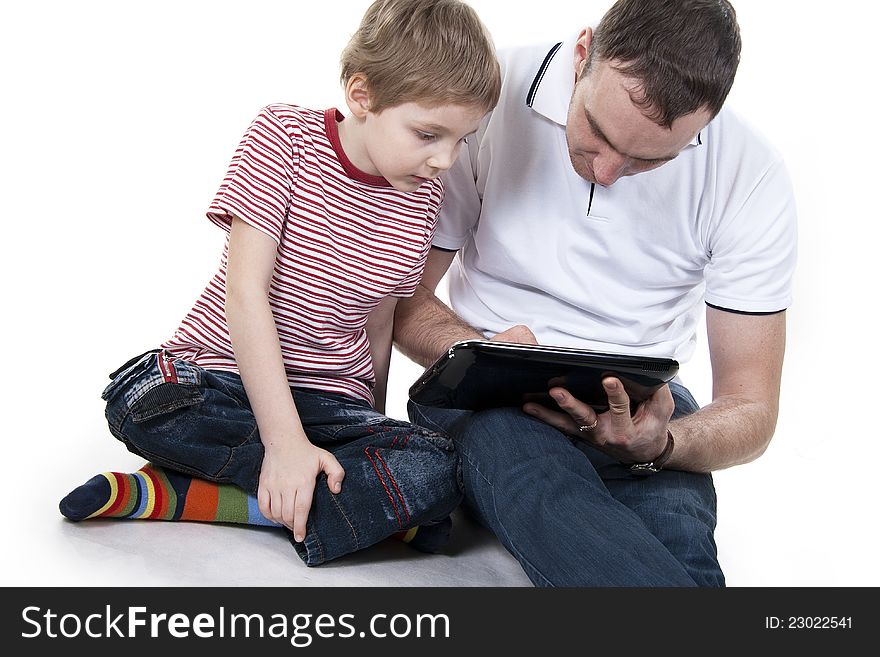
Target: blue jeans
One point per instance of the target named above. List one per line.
(199, 422)
(573, 516)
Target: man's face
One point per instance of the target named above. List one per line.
(609, 136)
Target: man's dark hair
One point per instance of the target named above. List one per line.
(684, 53)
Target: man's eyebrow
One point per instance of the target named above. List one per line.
(601, 135)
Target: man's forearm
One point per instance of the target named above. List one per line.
(729, 431)
(425, 327)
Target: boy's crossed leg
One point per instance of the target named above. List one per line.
(157, 493)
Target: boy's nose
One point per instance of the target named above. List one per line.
(443, 160)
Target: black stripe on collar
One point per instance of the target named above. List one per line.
(530, 98)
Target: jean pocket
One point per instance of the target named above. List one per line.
(125, 374)
(374, 424)
(168, 385)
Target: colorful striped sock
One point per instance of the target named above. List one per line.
(155, 493)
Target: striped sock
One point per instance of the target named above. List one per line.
(155, 493)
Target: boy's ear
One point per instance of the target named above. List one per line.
(357, 95)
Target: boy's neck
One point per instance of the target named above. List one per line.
(351, 137)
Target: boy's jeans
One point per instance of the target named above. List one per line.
(573, 516)
(199, 422)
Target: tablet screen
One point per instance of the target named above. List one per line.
(480, 374)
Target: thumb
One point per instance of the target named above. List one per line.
(335, 473)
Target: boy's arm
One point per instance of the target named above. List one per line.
(380, 325)
(290, 463)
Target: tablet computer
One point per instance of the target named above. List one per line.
(481, 374)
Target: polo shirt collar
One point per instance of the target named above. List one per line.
(550, 92)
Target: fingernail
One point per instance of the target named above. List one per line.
(298, 537)
(558, 396)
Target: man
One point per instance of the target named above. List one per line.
(604, 200)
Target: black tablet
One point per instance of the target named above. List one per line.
(481, 374)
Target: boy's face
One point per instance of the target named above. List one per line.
(411, 143)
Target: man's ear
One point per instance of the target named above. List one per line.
(582, 51)
(357, 95)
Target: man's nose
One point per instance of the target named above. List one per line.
(608, 168)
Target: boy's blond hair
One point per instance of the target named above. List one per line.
(433, 52)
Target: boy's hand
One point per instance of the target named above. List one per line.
(287, 482)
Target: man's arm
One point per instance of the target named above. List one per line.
(746, 352)
(425, 327)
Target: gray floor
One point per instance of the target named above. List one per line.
(144, 553)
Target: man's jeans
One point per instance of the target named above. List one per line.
(198, 421)
(573, 516)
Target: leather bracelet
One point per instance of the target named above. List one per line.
(652, 467)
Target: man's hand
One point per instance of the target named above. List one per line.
(287, 482)
(630, 439)
(520, 334)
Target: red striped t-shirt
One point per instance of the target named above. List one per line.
(346, 240)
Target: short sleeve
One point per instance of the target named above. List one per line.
(462, 202)
(257, 187)
(408, 285)
(753, 256)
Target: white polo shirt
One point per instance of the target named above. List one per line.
(624, 268)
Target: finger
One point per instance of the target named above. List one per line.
(582, 413)
(555, 419)
(301, 509)
(274, 508)
(618, 400)
(520, 334)
(665, 402)
(335, 474)
(264, 503)
(288, 509)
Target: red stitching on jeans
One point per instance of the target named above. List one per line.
(387, 492)
(393, 483)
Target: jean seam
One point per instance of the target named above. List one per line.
(426, 420)
(239, 446)
(513, 550)
(347, 520)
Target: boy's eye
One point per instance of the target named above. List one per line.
(426, 136)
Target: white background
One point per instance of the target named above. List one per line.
(118, 121)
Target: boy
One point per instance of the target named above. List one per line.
(275, 380)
